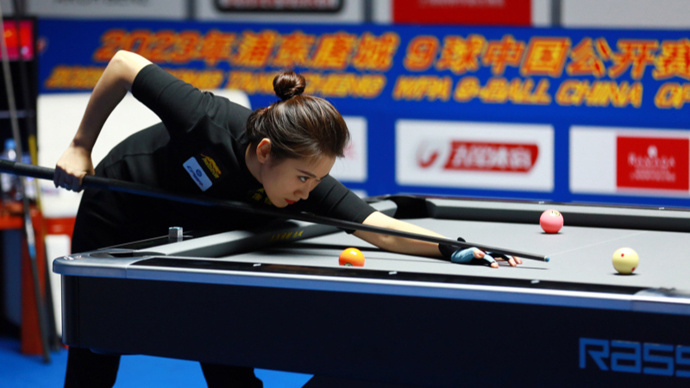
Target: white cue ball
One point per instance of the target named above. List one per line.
(625, 260)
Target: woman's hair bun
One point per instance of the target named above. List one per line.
(288, 84)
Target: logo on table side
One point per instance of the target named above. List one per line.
(287, 236)
(634, 357)
(477, 156)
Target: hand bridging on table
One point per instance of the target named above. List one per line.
(474, 255)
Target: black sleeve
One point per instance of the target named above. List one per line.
(179, 105)
(332, 199)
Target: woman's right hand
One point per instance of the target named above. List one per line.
(74, 164)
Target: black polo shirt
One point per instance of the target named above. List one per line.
(198, 148)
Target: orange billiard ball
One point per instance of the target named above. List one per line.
(351, 257)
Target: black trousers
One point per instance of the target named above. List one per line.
(88, 369)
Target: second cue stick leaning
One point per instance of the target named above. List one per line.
(97, 182)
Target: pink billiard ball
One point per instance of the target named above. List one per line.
(551, 221)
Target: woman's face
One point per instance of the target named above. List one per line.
(290, 180)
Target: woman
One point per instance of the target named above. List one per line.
(278, 156)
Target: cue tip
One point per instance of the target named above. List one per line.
(546, 259)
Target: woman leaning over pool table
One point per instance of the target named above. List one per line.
(278, 156)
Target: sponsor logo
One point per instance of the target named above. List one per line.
(211, 165)
(287, 236)
(195, 171)
(259, 196)
(634, 357)
(653, 163)
(461, 155)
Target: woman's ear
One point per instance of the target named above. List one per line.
(263, 150)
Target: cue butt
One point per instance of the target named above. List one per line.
(155, 192)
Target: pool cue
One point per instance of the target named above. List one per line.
(92, 181)
(28, 224)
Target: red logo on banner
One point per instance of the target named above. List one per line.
(652, 163)
(478, 156)
(486, 12)
(428, 154)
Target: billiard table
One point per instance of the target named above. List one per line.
(276, 298)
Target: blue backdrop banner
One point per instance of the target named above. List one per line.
(548, 114)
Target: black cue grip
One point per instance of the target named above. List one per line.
(139, 189)
(30, 170)
(98, 182)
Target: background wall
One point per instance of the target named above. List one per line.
(601, 137)
(629, 14)
(550, 100)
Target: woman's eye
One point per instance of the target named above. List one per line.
(303, 179)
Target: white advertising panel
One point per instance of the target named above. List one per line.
(108, 9)
(475, 155)
(663, 14)
(353, 166)
(285, 11)
(608, 160)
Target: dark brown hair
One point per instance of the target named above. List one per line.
(299, 126)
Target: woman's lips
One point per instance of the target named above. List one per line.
(289, 202)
